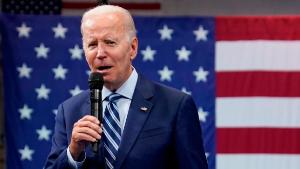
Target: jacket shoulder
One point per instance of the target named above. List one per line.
(171, 92)
(79, 99)
(160, 91)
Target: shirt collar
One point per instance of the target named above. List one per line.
(126, 89)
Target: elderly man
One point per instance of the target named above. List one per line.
(146, 125)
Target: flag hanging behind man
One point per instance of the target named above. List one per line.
(73, 7)
(250, 73)
(44, 64)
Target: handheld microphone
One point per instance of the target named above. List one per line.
(96, 84)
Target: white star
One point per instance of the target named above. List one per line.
(201, 33)
(60, 72)
(76, 52)
(165, 33)
(25, 112)
(42, 92)
(88, 72)
(42, 51)
(165, 74)
(183, 89)
(54, 111)
(183, 54)
(75, 91)
(24, 71)
(26, 153)
(201, 74)
(148, 54)
(202, 114)
(44, 133)
(23, 30)
(59, 31)
(207, 154)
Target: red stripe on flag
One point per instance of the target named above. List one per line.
(285, 84)
(129, 6)
(258, 140)
(255, 27)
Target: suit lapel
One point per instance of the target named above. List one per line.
(86, 108)
(138, 112)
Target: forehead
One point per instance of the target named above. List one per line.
(96, 23)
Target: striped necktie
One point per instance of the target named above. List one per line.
(112, 130)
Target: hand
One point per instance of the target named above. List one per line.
(85, 130)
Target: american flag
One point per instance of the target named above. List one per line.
(257, 92)
(72, 7)
(243, 73)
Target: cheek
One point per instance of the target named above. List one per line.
(124, 65)
(89, 59)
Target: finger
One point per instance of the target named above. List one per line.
(80, 137)
(89, 124)
(90, 118)
(88, 131)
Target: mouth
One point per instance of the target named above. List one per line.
(103, 69)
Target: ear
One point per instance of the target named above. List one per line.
(134, 48)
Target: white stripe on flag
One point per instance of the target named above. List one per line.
(258, 55)
(257, 112)
(257, 161)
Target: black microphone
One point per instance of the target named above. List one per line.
(96, 84)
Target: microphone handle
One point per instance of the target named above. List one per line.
(96, 110)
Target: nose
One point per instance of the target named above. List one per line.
(100, 51)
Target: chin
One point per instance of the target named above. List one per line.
(107, 80)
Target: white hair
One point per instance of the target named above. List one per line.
(105, 9)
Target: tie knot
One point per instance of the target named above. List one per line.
(114, 97)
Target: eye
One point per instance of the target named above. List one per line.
(92, 45)
(110, 42)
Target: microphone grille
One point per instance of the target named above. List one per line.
(96, 81)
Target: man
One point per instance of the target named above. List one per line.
(146, 125)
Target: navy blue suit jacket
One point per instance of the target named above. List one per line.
(166, 136)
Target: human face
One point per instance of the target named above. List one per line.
(108, 48)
